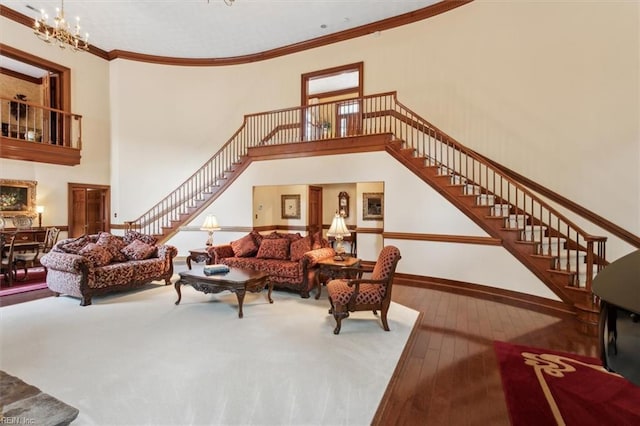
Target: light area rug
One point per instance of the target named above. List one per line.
(138, 359)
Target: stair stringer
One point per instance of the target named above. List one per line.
(200, 205)
(519, 251)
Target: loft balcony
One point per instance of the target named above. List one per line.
(32, 132)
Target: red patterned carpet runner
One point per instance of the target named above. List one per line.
(545, 387)
(35, 281)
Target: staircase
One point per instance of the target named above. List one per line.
(559, 259)
(558, 252)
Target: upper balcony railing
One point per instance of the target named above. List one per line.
(37, 133)
(382, 114)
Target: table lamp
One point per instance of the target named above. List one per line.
(338, 230)
(39, 210)
(210, 224)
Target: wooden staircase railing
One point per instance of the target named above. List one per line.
(286, 126)
(558, 251)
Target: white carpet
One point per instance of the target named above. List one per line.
(137, 359)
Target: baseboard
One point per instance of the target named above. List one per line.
(513, 298)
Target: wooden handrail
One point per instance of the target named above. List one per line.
(35, 125)
(592, 217)
(471, 153)
(581, 211)
(558, 237)
(373, 115)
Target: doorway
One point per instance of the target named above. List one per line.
(336, 119)
(46, 84)
(315, 209)
(89, 209)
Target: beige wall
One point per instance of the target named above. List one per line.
(550, 89)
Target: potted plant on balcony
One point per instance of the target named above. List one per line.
(325, 126)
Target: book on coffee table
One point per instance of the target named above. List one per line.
(215, 269)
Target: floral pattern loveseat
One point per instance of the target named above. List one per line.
(289, 259)
(103, 263)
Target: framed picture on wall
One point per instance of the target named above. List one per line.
(372, 206)
(17, 197)
(290, 206)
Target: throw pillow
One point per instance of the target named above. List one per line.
(293, 237)
(244, 247)
(130, 236)
(272, 236)
(257, 237)
(97, 255)
(113, 244)
(274, 248)
(299, 247)
(74, 246)
(138, 250)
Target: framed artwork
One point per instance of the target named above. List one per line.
(17, 197)
(290, 206)
(372, 206)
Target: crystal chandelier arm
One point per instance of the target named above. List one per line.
(60, 33)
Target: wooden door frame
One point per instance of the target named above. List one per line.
(328, 72)
(62, 96)
(320, 190)
(71, 186)
(64, 73)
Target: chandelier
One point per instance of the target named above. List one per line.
(59, 32)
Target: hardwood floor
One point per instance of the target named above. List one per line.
(448, 374)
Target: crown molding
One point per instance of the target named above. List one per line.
(385, 24)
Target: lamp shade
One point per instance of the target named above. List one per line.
(210, 224)
(338, 228)
(39, 209)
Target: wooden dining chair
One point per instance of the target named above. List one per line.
(365, 294)
(31, 259)
(7, 264)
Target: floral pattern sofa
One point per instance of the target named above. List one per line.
(103, 263)
(289, 259)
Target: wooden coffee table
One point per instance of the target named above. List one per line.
(237, 281)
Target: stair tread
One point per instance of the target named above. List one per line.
(532, 243)
(543, 256)
(561, 271)
(473, 196)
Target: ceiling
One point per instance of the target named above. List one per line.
(210, 28)
(21, 67)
